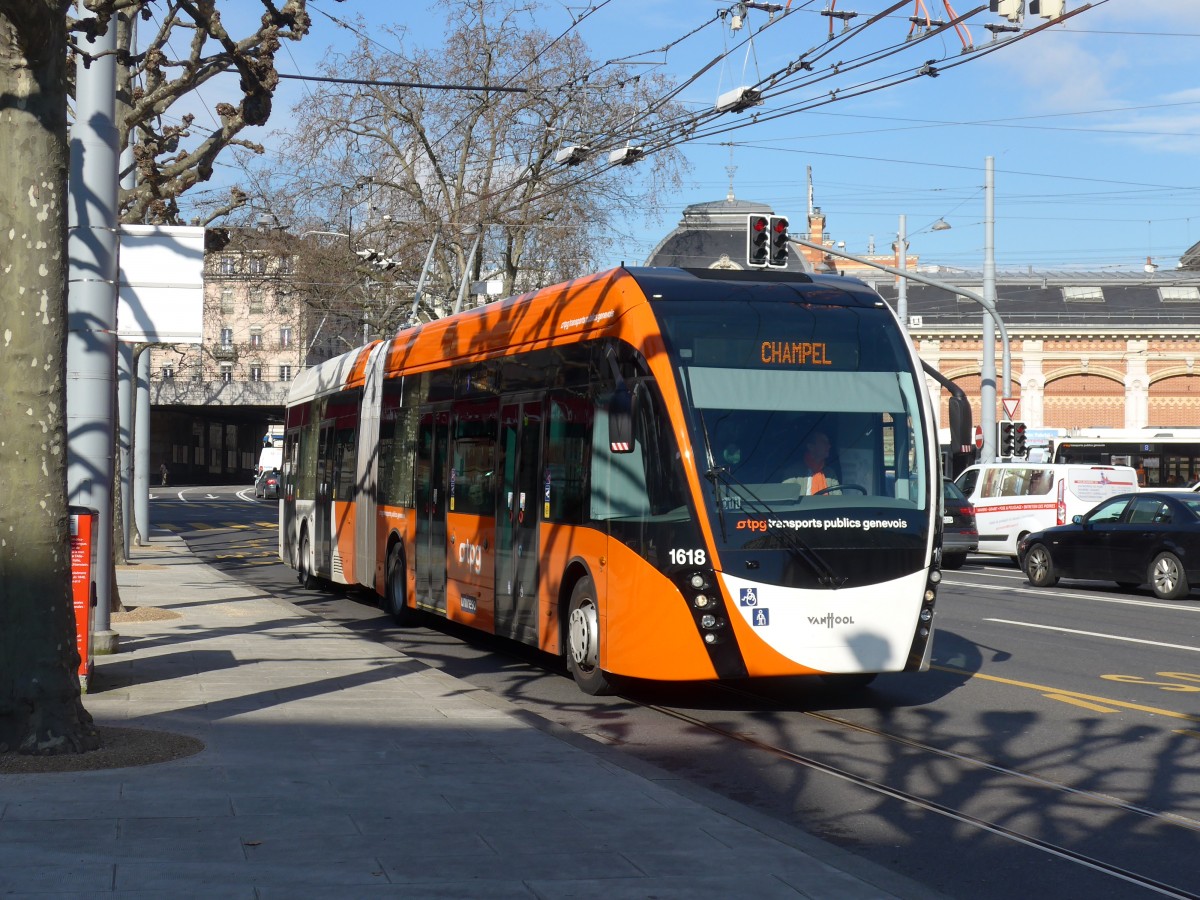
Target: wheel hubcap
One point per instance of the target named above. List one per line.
(1037, 565)
(583, 628)
(1165, 576)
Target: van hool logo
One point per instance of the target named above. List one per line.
(829, 620)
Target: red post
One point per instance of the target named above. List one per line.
(83, 588)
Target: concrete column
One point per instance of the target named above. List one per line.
(1033, 385)
(1137, 384)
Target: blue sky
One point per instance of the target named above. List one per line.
(1094, 126)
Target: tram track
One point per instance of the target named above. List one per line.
(875, 786)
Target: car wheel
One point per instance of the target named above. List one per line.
(583, 641)
(1039, 567)
(1167, 577)
(953, 560)
(396, 597)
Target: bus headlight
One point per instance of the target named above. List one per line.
(926, 614)
(701, 601)
(708, 621)
(698, 582)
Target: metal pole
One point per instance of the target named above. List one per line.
(466, 275)
(126, 389)
(92, 310)
(902, 287)
(987, 368)
(412, 315)
(141, 448)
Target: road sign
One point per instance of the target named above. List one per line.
(979, 437)
(1010, 407)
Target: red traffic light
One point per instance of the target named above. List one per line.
(757, 233)
(779, 242)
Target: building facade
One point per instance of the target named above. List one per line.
(214, 402)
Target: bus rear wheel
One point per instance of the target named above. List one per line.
(308, 580)
(396, 590)
(583, 640)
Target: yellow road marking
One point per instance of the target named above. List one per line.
(1186, 732)
(1077, 695)
(1094, 707)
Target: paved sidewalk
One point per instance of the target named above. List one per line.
(337, 767)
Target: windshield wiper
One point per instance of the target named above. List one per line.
(713, 473)
(788, 538)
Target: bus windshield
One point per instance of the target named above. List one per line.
(800, 408)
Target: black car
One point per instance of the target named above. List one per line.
(1148, 537)
(267, 485)
(960, 535)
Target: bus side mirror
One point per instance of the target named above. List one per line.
(962, 434)
(620, 420)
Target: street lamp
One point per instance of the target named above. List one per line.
(902, 264)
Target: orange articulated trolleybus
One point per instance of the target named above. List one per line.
(621, 470)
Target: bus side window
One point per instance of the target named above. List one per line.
(568, 429)
(618, 480)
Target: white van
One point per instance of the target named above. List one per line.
(1013, 499)
(270, 458)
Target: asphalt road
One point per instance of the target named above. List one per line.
(1053, 749)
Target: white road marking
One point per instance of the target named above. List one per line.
(1126, 601)
(1111, 637)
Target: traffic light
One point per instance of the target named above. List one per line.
(1008, 439)
(779, 242)
(1020, 445)
(757, 238)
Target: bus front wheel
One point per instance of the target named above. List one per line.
(583, 640)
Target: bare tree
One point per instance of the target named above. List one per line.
(41, 710)
(40, 706)
(174, 152)
(486, 158)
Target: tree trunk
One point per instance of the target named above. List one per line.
(41, 710)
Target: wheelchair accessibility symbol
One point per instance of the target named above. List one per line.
(748, 597)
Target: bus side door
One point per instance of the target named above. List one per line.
(323, 507)
(517, 520)
(471, 516)
(432, 441)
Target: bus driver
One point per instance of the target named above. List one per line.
(816, 475)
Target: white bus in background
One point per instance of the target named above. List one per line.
(1013, 499)
(1167, 457)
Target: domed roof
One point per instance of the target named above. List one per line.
(712, 235)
